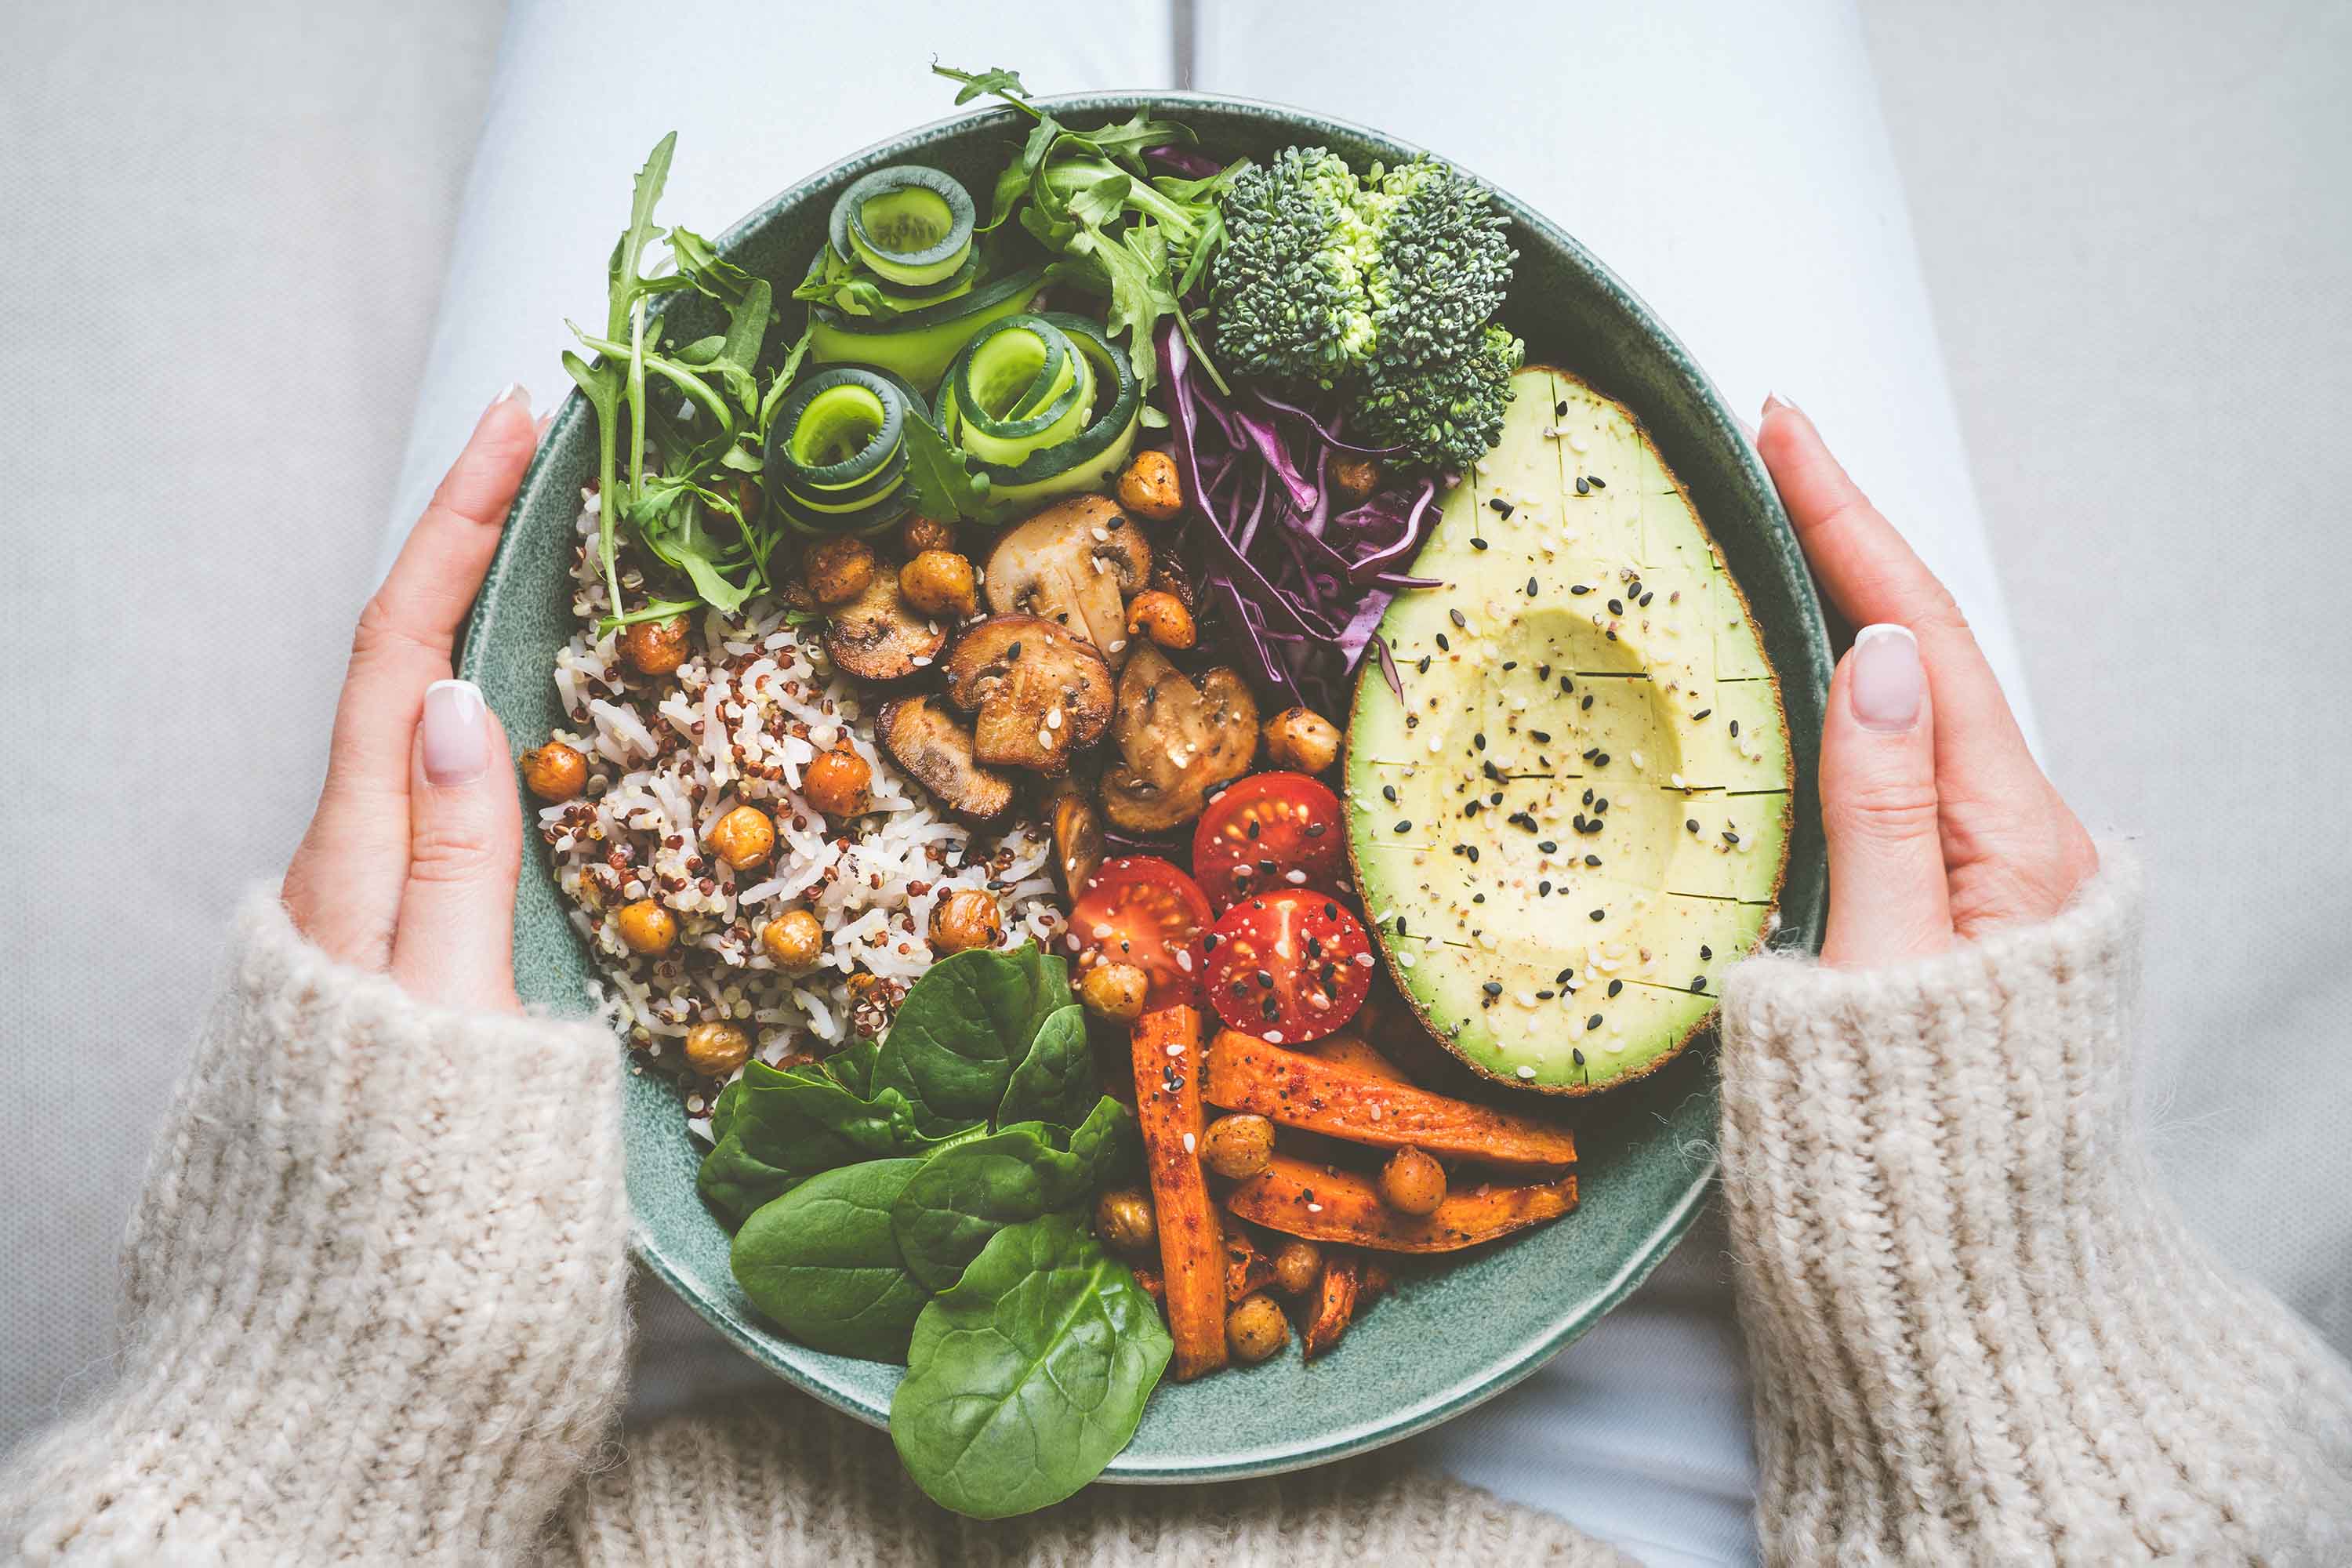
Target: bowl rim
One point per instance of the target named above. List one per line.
(1573, 1319)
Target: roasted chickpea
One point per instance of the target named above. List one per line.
(1150, 487)
(1411, 1183)
(1115, 990)
(966, 919)
(744, 837)
(1255, 1329)
(794, 939)
(839, 570)
(839, 783)
(1303, 738)
(654, 648)
(554, 772)
(1298, 1266)
(1123, 1216)
(1161, 616)
(1238, 1147)
(646, 927)
(1354, 478)
(715, 1049)
(918, 534)
(939, 583)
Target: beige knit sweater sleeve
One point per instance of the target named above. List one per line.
(1980, 1331)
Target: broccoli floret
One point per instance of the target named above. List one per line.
(1445, 262)
(1292, 291)
(1447, 413)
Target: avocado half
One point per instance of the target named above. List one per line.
(1578, 814)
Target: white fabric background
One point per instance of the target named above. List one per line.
(232, 225)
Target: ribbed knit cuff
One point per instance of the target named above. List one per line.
(1979, 1330)
(376, 1282)
(789, 1482)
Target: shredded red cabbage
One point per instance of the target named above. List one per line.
(1301, 587)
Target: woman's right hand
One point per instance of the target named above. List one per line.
(1940, 823)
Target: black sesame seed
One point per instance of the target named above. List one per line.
(1471, 809)
(1317, 829)
(1253, 829)
(1479, 740)
(1582, 487)
(1586, 703)
(1543, 889)
(1562, 977)
(1477, 544)
(1546, 995)
(1729, 837)
(1549, 846)
(1264, 980)
(1471, 850)
(1706, 951)
(1698, 982)
(1014, 651)
(1500, 507)
(1209, 943)
(1443, 646)
(1601, 804)
(1531, 587)
(1268, 867)
(1602, 761)
(1691, 823)
(1460, 623)
(1543, 672)
(1577, 1053)
(1560, 410)
(1616, 607)
(1588, 798)
(1615, 986)
(1598, 482)
(1734, 729)
(1592, 1022)
(1404, 827)
(1578, 588)
(1424, 664)
(1493, 988)
(1702, 713)
(1541, 737)
(1272, 1013)
(1388, 793)
(1645, 600)
(1601, 915)
(1567, 685)
(1612, 634)
(1592, 860)
(1510, 663)
(1330, 912)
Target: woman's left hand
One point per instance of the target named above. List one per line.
(410, 862)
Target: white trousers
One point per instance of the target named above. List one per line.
(1729, 161)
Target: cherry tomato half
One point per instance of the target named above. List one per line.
(1140, 909)
(1288, 966)
(1267, 832)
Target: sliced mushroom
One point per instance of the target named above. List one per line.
(1074, 563)
(1179, 737)
(1040, 692)
(924, 737)
(879, 636)
(1077, 835)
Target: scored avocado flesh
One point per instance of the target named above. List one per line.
(1570, 934)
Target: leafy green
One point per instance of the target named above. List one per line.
(1054, 1081)
(822, 1261)
(1141, 242)
(964, 1196)
(788, 1124)
(1029, 1376)
(939, 476)
(962, 1028)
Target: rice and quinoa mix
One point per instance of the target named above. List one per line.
(754, 702)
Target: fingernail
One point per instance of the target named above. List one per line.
(1889, 683)
(1774, 400)
(453, 732)
(513, 390)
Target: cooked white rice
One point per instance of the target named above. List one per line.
(754, 703)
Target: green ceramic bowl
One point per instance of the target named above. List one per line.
(1459, 1335)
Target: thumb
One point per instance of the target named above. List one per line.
(1888, 896)
(453, 943)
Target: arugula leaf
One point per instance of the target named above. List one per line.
(965, 1195)
(938, 474)
(626, 270)
(600, 384)
(964, 1026)
(1029, 1376)
(822, 1261)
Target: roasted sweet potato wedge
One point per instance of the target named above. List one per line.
(1317, 1094)
(1333, 1306)
(1248, 1269)
(1167, 1055)
(1325, 1204)
(1353, 1051)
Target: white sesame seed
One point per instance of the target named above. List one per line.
(1189, 1141)
(1117, 645)
(1527, 1071)
(1294, 878)
(1272, 1036)
(1176, 1049)
(1314, 1208)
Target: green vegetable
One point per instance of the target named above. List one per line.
(1086, 460)
(917, 345)
(822, 1262)
(1087, 194)
(1055, 1080)
(910, 225)
(1448, 411)
(962, 1028)
(963, 1195)
(1028, 1377)
(1383, 285)
(837, 453)
(1019, 385)
(786, 1125)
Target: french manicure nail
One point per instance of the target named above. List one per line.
(1774, 400)
(455, 744)
(1889, 683)
(512, 390)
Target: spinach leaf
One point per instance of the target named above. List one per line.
(722, 1110)
(964, 1026)
(788, 1125)
(821, 1261)
(1055, 1082)
(1029, 1376)
(966, 1194)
